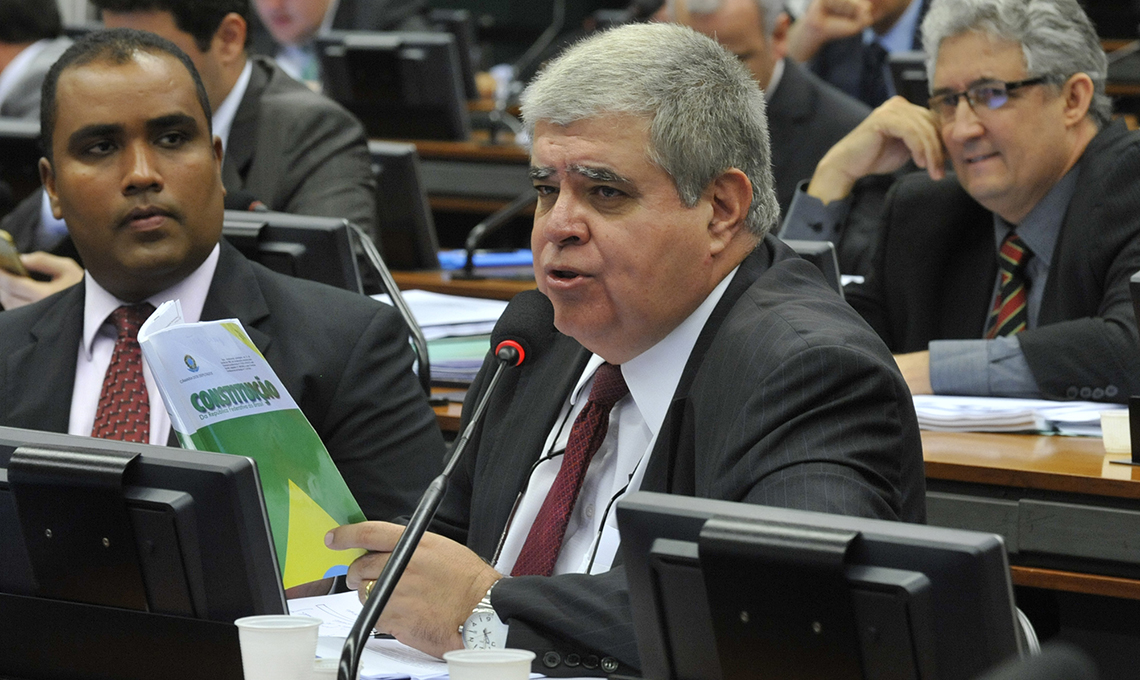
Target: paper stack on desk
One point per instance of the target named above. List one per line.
(457, 330)
(995, 414)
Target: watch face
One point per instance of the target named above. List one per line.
(481, 631)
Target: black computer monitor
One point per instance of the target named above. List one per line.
(908, 73)
(722, 591)
(127, 560)
(406, 228)
(314, 248)
(822, 255)
(20, 154)
(400, 85)
(461, 24)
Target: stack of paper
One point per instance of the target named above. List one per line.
(457, 330)
(994, 414)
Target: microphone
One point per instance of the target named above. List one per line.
(522, 332)
(244, 200)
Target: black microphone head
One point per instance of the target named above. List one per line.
(527, 324)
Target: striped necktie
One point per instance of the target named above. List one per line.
(1010, 313)
(544, 542)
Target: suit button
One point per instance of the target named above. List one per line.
(590, 662)
(572, 660)
(1086, 392)
(609, 664)
(1111, 391)
(1098, 393)
(1071, 393)
(551, 659)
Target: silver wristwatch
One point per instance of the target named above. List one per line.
(483, 629)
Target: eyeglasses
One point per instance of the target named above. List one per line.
(990, 94)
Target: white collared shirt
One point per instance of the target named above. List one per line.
(98, 343)
(619, 465)
(15, 69)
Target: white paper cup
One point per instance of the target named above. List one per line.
(278, 647)
(489, 664)
(325, 669)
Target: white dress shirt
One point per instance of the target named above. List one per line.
(98, 343)
(591, 539)
(15, 69)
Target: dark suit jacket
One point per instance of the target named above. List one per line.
(299, 152)
(787, 399)
(840, 62)
(295, 150)
(806, 117)
(343, 357)
(936, 264)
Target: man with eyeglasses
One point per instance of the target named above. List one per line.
(1009, 275)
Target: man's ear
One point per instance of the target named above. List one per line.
(778, 41)
(1078, 94)
(47, 178)
(730, 195)
(229, 39)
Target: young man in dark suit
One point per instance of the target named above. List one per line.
(748, 379)
(1019, 109)
(133, 167)
(292, 149)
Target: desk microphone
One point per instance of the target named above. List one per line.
(524, 329)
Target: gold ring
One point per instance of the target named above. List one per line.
(368, 589)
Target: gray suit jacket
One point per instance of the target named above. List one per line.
(299, 152)
(806, 117)
(787, 399)
(935, 266)
(343, 357)
(23, 100)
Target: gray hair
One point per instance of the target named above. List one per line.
(705, 112)
(769, 11)
(1057, 39)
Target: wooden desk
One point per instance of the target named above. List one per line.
(446, 282)
(1041, 493)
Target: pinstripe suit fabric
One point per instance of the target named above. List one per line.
(787, 399)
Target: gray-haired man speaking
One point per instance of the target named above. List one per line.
(728, 368)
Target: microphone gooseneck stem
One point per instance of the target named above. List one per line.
(402, 553)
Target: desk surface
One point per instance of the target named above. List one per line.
(1066, 464)
(447, 282)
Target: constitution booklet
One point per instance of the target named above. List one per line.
(223, 396)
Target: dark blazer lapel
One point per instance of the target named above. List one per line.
(41, 375)
(671, 464)
(235, 294)
(243, 133)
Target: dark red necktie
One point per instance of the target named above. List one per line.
(543, 543)
(1010, 313)
(124, 408)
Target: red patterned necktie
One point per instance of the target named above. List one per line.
(1010, 313)
(543, 543)
(124, 408)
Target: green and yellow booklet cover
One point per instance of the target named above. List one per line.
(222, 396)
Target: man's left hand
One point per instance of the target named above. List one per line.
(915, 369)
(441, 585)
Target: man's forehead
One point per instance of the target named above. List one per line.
(988, 58)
